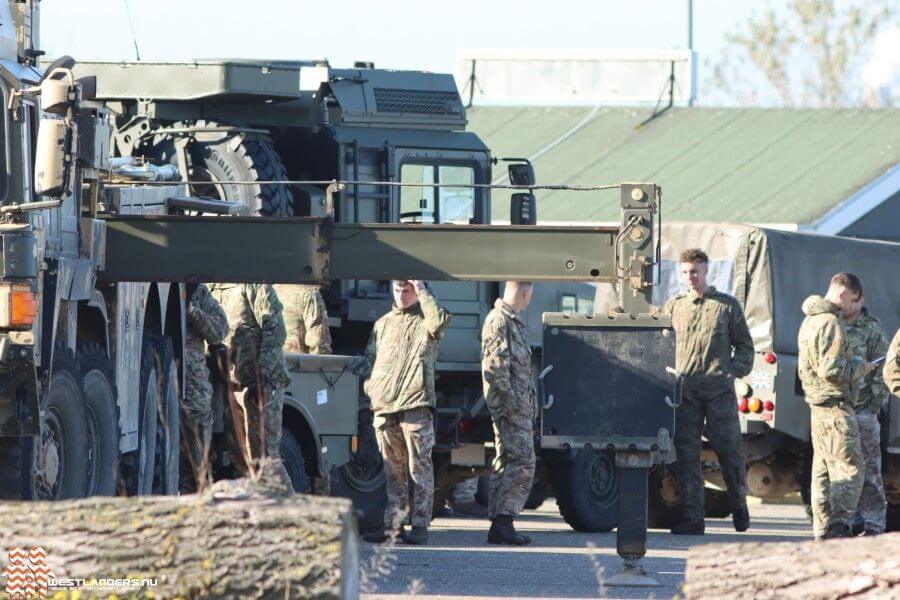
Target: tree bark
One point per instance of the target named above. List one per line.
(237, 540)
(865, 567)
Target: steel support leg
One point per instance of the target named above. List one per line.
(631, 533)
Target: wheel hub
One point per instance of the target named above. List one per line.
(48, 461)
(601, 479)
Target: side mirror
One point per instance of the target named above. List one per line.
(523, 209)
(58, 92)
(54, 158)
(521, 174)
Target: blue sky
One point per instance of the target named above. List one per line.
(401, 34)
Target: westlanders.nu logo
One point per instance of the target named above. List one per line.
(28, 576)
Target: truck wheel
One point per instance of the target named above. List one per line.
(154, 469)
(716, 504)
(292, 457)
(61, 453)
(663, 498)
(219, 160)
(540, 491)
(362, 479)
(103, 419)
(587, 491)
(14, 469)
(892, 518)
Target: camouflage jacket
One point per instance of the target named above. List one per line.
(206, 323)
(305, 319)
(256, 332)
(825, 364)
(401, 354)
(712, 341)
(868, 342)
(892, 366)
(506, 363)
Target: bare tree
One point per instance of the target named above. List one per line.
(804, 53)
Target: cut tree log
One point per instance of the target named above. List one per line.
(863, 567)
(239, 539)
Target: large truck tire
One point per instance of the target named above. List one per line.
(664, 507)
(292, 457)
(220, 158)
(362, 479)
(99, 394)
(14, 468)
(587, 491)
(61, 453)
(540, 491)
(154, 467)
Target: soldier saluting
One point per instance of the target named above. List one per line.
(401, 354)
(712, 347)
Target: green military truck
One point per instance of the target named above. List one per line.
(251, 131)
(771, 272)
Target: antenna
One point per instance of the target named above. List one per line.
(137, 52)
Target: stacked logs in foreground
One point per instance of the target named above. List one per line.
(239, 539)
(863, 567)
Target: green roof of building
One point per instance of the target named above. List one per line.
(715, 164)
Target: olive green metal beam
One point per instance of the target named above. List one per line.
(211, 249)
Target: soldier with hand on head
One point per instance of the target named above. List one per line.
(401, 354)
(828, 370)
(712, 347)
(257, 370)
(206, 324)
(511, 397)
(305, 319)
(867, 341)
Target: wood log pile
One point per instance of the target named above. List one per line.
(862, 567)
(238, 539)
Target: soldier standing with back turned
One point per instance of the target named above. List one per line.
(712, 347)
(868, 342)
(512, 400)
(256, 367)
(305, 319)
(827, 371)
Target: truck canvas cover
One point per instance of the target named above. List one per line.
(771, 272)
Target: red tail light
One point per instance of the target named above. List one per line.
(769, 405)
(770, 358)
(742, 405)
(465, 425)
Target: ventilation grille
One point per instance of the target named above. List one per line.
(424, 102)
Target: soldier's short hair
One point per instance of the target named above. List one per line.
(849, 281)
(400, 282)
(694, 255)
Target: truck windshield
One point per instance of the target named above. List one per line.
(437, 205)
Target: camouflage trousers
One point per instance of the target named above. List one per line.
(196, 426)
(405, 440)
(872, 503)
(723, 430)
(253, 425)
(464, 491)
(514, 463)
(837, 465)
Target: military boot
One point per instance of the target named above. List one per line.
(689, 527)
(741, 519)
(503, 532)
(469, 509)
(838, 530)
(417, 537)
(381, 536)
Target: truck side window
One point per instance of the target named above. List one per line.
(437, 205)
(457, 204)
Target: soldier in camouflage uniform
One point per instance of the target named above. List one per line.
(868, 342)
(712, 347)
(827, 371)
(305, 319)
(512, 400)
(892, 366)
(401, 354)
(257, 369)
(206, 324)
